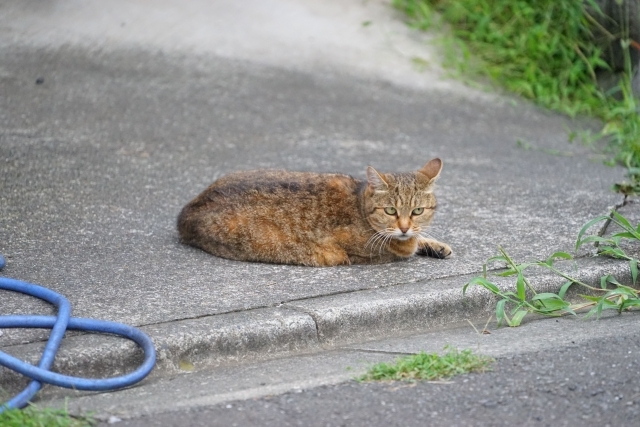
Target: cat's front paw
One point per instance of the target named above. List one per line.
(434, 249)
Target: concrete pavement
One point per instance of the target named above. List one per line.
(140, 107)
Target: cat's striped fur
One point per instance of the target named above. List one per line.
(315, 219)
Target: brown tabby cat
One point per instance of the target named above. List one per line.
(315, 219)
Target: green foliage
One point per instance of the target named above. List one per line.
(429, 366)
(33, 416)
(543, 50)
(632, 187)
(525, 300)
(523, 303)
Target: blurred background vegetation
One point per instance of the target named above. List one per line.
(573, 56)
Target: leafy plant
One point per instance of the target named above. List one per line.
(33, 416)
(525, 300)
(429, 366)
(629, 188)
(545, 50)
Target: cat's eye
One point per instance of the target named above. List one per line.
(390, 210)
(417, 211)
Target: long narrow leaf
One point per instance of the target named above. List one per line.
(599, 240)
(497, 258)
(630, 291)
(623, 222)
(614, 253)
(517, 318)
(613, 280)
(587, 226)
(500, 311)
(481, 281)
(621, 291)
(549, 306)
(545, 295)
(625, 234)
(520, 287)
(562, 255)
(507, 273)
(604, 280)
(630, 303)
(633, 265)
(564, 288)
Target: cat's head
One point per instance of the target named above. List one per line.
(401, 205)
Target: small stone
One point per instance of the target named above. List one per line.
(113, 419)
(490, 404)
(39, 80)
(185, 365)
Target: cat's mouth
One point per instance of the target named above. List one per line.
(402, 237)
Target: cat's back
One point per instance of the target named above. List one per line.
(272, 196)
(273, 183)
(280, 182)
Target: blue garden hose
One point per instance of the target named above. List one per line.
(58, 325)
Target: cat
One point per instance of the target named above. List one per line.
(314, 219)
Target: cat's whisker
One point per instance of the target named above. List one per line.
(385, 242)
(429, 235)
(376, 240)
(382, 242)
(373, 239)
(379, 241)
(434, 228)
(377, 235)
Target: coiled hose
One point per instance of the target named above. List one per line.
(58, 325)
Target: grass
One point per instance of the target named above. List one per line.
(514, 305)
(33, 416)
(549, 51)
(429, 366)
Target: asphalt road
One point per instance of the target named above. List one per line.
(587, 382)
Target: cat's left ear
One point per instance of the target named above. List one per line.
(432, 169)
(376, 181)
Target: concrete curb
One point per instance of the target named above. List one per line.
(299, 326)
(370, 314)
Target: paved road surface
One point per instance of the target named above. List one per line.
(587, 382)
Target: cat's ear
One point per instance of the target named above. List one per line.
(376, 181)
(432, 169)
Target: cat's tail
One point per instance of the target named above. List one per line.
(189, 222)
(185, 224)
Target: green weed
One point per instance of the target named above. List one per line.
(632, 186)
(525, 300)
(547, 51)
(429, 366)
(33, 416)
(527, 146)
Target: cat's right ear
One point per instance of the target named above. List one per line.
(432, 169)
(376, 181)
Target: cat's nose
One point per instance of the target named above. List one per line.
(404, 229)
